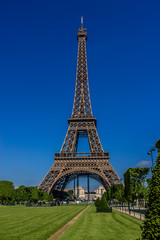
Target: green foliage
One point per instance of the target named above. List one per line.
(97, 202)
(128, 186)
(149, 180)
(117, 192)
(6, 191)
(34, 194)
(107, 194)
(102, 205)
(146, 189)
(151, 226)
(50, 197)
(21, 194)
(158, 144)
(43, 196)
(134, 179)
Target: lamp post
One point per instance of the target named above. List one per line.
(151, 153)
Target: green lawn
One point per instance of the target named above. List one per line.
(28, 223)
(107, 226)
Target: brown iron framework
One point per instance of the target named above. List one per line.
(68, 164)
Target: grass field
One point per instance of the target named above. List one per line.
(28, 223)
(103, 226)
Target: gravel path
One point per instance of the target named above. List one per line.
(56, 235)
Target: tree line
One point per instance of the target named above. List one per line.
(8, 194)
(133, 190)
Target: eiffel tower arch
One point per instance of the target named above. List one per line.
(68, 163)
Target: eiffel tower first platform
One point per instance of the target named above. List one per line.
(69, 164)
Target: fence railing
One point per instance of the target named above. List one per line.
(137, 212)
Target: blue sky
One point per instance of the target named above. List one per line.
(38, 58)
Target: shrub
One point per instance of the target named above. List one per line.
(151, 225)
(102, 205)
(97, 202)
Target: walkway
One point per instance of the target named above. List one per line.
(56, 235)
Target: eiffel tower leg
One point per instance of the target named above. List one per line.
(88, 186)
(74, 187)
(77, 186)
(69, 141)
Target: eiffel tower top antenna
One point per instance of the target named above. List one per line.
(81, 22)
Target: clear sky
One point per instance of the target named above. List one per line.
(38, 58)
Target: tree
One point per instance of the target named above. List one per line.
(148, 187)
(6, 191)
(22, 194)
(151, 225)
(50, 197)
(107, 194)
(97, 202)
(31, 194)
(102, 205)
(43, 196)
(35, 194)
(134, 179)
(117, 192)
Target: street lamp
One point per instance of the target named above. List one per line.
(151, 153)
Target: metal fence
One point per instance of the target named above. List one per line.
(137, 212)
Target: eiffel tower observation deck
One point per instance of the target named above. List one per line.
(68, 163)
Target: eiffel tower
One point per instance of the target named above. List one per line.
(70, 164)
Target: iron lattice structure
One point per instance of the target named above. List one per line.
(68, 164)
